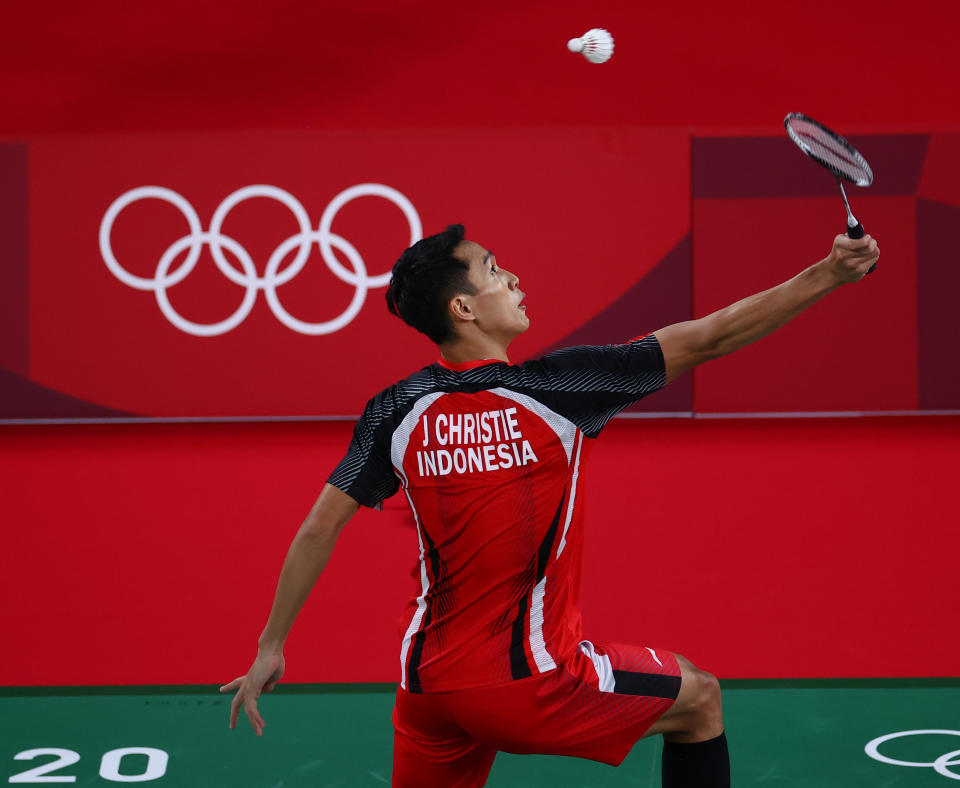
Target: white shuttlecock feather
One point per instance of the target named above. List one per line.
(595, 45)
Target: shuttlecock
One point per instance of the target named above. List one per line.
(595, 45)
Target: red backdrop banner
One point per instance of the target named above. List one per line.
(217, 275)
(244, 275)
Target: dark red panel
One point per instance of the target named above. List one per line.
(14, 259)
(744, 167)
(938, 286)
(854, 351)
(21, 398)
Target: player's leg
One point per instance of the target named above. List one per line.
(596, 704)
(694, 745)
(413, 767)
(429, 749)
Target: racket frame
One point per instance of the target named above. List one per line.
(852, 153)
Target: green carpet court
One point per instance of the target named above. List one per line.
(781, 733)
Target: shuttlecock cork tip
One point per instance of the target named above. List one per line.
(575, 45)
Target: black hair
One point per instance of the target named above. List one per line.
(423, 281)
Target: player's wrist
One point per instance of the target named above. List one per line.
(267, 646)
(828, 273)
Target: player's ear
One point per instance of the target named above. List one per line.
(460, 308)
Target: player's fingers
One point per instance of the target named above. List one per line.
(849, 244)
(232, 685)
(866, 250)
(865, 267)
(235, 705)
(269, 686)
(867, 243)
(253, 714)
(843, 242)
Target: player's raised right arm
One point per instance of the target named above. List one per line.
(688, 344)
(308, 555)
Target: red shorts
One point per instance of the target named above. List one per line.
(595, 705)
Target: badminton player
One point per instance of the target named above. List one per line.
(490, 457)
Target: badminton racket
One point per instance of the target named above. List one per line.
(830, 150)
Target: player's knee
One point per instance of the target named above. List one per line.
(707, 704)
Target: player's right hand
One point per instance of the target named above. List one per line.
(852, 258)
(266, 670)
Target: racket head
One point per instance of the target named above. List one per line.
(828, 149)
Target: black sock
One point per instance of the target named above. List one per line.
(702, 764)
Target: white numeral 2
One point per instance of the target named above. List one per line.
(35, 775)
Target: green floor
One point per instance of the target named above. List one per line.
(798, 733)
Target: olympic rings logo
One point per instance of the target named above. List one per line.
(273, 277)
(940, 765)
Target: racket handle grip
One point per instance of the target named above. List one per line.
(856, 232)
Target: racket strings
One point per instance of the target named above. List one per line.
(836, 160)
(833, 153)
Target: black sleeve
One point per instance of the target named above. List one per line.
(366, 473)
(591, 384)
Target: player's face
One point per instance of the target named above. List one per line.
(497, 301)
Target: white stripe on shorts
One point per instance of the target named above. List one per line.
(601, 663)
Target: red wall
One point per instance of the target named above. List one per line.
(148, 554)
(806, 547)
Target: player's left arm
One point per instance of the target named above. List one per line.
(306, 559)
(685, 345)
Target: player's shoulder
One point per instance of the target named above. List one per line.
(577, 357)
(396, 399)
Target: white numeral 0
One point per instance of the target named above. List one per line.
(156, 765)
(109, 765)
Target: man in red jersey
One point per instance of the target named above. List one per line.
(490, 456)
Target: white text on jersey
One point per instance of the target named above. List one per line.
(501, 443)
(464, 429)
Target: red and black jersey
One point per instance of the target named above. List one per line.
(490, 457)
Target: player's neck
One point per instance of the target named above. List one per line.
(477, 348)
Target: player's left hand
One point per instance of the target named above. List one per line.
(851, 259)
(266, 670)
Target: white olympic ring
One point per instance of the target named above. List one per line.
(939, 765)
(273, 277)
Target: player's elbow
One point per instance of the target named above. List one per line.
(331, 512)
(320, 526)
(687, 345)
